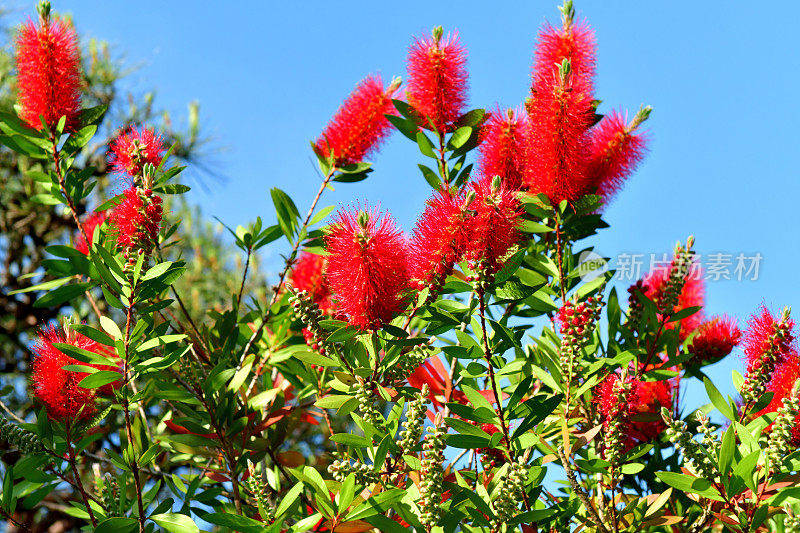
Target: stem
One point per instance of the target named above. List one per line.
(560, 261)
(282, 277)
(579, 492)
(442, 161)
(244, 276)
(77, 475)
(487, 353)
(63, 184)
(134, 464)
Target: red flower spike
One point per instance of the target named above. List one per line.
(502, 152)
(367, 270)
(715, 339)
(136, 221)
(615, 153)
(90, 225)
(781, 384)
(57, 388)
(437, 238)
(766, 333)
(574, 42)
(48, 74)
(692, 295)
(359, 126)
(308, 274)
(640, 416)
(492, 230)
(133, 149)
(560, 116)
(437, 79)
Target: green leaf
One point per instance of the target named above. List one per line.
(172, 188)
(289, 499)
(425, 145)
(459, 138)
(157, 270)
(175, 523)
(719, 402)
(111, 327)
(98, 379)
(286, 212)
(726, 451)
(46, 286)
(117, 525)
(348, 439)
(430, 176)
(314, 358)
(692, 484)
(84, 356)
(234, 522)
(406, 127)
(62, 294)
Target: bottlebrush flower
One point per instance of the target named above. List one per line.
(308, 274)
(359, 126)
(90, 225)
(57, 388)
(768, 337)
(637, 415)
(437, 79)
(136, 221)
(48, 74)
(492, 230)
(616, 150)
(367, 270)
(502, 152)
(573, 41)
(437, 240)
(134, 148)
(559, 116)
(781, 384)
(715, 339)
(692, 295)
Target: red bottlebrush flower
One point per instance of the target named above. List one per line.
(437, 238)
(437, 79)
(559, 116)
(134, 148)
(136, 221)
(367, 270)
(615, 153)
(359, 126)
(492, 230)
(715, 339)
(766, 334)
(692, 295)
(502, 152)
(90, 225)
(48, 74)
(781, 384)
(308, 274)
(57, 388)
(639, 416)
(572, 41)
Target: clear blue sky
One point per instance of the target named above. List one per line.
(721, 77)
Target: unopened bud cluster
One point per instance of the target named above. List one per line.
(365, 394)
(483, 275)
(760, 370)
(408, 363)
(260, 491)
(310, 315)
(432, 476)
(694, 458)
(578, 322)
(635, 308)
(678, 271)
(509, 494)
(415, 419)
(364, 474)
(709, 441)
(23, 439)
(109, 494)
(791, 522)
(615, 422)
(780, 436)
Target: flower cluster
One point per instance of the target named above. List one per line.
(630, 409)
(769, 343)
(714, 340)
(502, 151)
(367, 271)
(57, 388)
(359, 126)
(437, 80)
(48, 73)
(136, 222)
(576, 324)
(133, 149)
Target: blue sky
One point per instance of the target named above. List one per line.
(721, 78)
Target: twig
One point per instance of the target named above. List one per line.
(579, 492)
